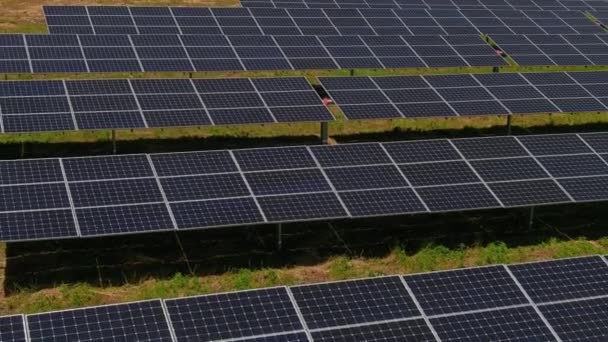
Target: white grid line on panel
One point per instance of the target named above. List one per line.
(26, 327)
(365, 324)
(455, 51)
(86, 9)
(277, 334)
(584, 88)
(435, 21)
(141, 65)
(251, 193)
(573, 300)
(333, 188)
(72, 207)
(404, 177)
(168, 320)
(509, 112)
(200, 98)
(430, 86)
(296, 307)
(591, 148)
(386, 96)
(545, 169)
(69, 100)
(401, 21)
(162, 192)
(257, 91)
(141, 112)
(132, 20)
(415, 52)
(282, 53)
(538, 312)
(417, 303)
(84, 57)
(481, 180)
(179, 28)
(27, 53)
(179, 37)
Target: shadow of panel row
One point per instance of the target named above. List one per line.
(127, 194)
(559, 300)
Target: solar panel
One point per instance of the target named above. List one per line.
(554, 49)
(236, 51)
(504, 324)
(524, 193)
(457, 197)
(233, 315)
(578, 320)
(115, 104)
(477, 303)
(563, 279)
(464, 95)
(408, 330)
(471, 289)
(139, 218)
(353, 302)
(141, 193)
(142, 321)
(12, 329)
(310, 206)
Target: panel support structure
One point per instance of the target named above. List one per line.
(496, 69)
(324, 132)
(22, 149)
(509, 118)
(531, 218)
(352, 72)
(279, 237)
(113, 141)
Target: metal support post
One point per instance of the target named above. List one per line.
(531, 218)
(352, 72)
(496, 69)
(509, 117)
(22, 150)
(189, 75)
(324, 132)
(279, 237)
(113, 141)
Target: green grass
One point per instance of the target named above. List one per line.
(398, 261)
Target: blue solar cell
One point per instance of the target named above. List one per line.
(286, 182)
(204, 187)
(107, 167)
(131, 321)
(123, 219)
(227, 316)
(37, 225)
(301, 207)
(115, 192)
(353, 302)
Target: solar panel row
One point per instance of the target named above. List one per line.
(323, 22)
(33, 106)
(581, 5)
(530, 50)
(92, 196)
(553, 300)
(150, 53)
(468, 94)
